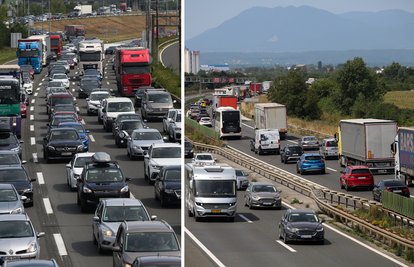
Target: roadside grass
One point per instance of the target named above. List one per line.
(162, 76)
(7, 54)
(402, 99)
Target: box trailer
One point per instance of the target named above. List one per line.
(271, 116)
(404, 154)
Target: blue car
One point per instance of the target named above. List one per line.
(81, 131)
(93, 72)
(310, 163)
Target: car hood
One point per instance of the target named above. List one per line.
(304, 225)
(146, 143)
(16, 244)
(6, 207)
(61, 143)
(88, 87)
(20, 186)
(172, 184)
(7, 146)
(77, 171)
(113, 226)
(166, 161)
(178, 124)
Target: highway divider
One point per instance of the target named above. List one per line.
(329, 201)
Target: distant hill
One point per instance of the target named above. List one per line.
(301, 29)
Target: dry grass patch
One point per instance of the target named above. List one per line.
(402, 99)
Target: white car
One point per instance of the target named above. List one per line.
(175, 127)
(158, 156)
(206, 121)
(167, 120)
(28, 86)
(129, 9)
(204, 159)
(75, 167)
(93, 102)
(60, 77)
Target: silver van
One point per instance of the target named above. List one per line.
(328, 148)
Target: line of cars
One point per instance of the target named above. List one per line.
(198, 112)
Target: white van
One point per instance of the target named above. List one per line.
(113, 107)
(267, 141)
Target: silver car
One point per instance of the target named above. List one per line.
(10, 159)
(18, 238)
(262, 195)
(110, 213)
(75, 167)
(328, 148)
(93, 102)
(53, 84)
(242, 181)
(140, 140)
(308, 142)
(10, 200)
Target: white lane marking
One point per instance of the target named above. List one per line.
(32, 117)
(77, 109)
(107, 82)
(247, 220)
(248, 126)
(31, 108)
(43, 79)
(76, 73)
(38, 88)
(32, 141)
(331, 169)
(33, 101)
(83, 122)
(35, 94)
(41, 83)
(355, 240)
(34, 155)
(31, 128)
(131, 196)
(91, 138)
(73, 83)
(208, 252)
(73, 89)
(106, 77)
(40, 179)
(60, 244)
(48, 206)
(286, 246)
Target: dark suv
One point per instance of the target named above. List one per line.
(101, 178)
(139, 93)
(167, 187)
(143, 238)
(290, 152)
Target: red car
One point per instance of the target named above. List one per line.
(23, 109)
(357, 176)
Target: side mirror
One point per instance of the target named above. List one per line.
(87, 131)
(341, 172)
(246, 174)
(95, 219)
(116, 248)
(280, 191)
(41, 234)
(153, 217)
(127, 178)
(190, 184)
(24, 161)
(32, 179)
(87, 99)
(68, 166)
(79, 180)
(23, 198)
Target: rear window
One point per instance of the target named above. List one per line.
(332, 144)
(394, 183)
(316, 157)
(360, 171)
(295, 148)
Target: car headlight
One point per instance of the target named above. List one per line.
(127, 265)
(80, 89)
(150, 109)
(32, 247)
(255, 197)
(232, 204)
(156, 167)
(168, 191)
(80, 147)
(86, 190)
(17, 211)
(107, 232)
(51, 148)
(291, 229)
(125, 189)
(319, 228)
(15, 149)
(177, 129)
(191, 151)
(136, 148)
(277, 197)
(76, 176)
(29, 190)
(121, 135)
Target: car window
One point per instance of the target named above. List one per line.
(124, 213)
(13, 176)
(132, 125)
(101, 176)
(141, 241)
(361, 171)
(7, 159)
(264, 188)
(394, 183)
(8, 139)
(303, 217)
(295, 149)
(204, 157)
(81, 161)
(332, 144)
(309, 138)
(166, 152)
(15, 229)
(147, 136)
(316, 157)
(8, 195)
(239, 173)
(172, 175)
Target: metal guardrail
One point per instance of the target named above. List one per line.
(320, 195)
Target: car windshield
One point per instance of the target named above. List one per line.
(178, 118)
(81, 161)
(91, 71)
(303, 217)
(394, 183)
(204, 157)
(57, 90)
(239, 173)
(159, 98)
(57, 120)
(147, 136)
(224, 188)
(55, 84)
(188, 144)
(7, 195)
(332, 144)
(26, 67)
(151, 241)
(89, 82)
(172, 175)
(78, 128)
(104, 176)
(18, 175)
(124, 213)
(132, 125)
(15, 229)
(166, 152)
(295, 149)
(316, 157)
(7, 139)
(8, 159)
(97, 97)
(64, 135)
(309, 138)
(264, 188)
(59, 108)
(61, 100)
(120, 107)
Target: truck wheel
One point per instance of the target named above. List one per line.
(255, 151)
(301, 171)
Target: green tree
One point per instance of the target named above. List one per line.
(18, 27)
(324, 87)
(319, 65)
(391, 71)
(356, 79)
(57, 6)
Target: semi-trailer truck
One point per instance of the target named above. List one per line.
(403, 149)
(29, 52)
(90, 55)
(75, 30)
(44, 40)
(271, 116)
(56, 44)
(367, 142)
(82, 9)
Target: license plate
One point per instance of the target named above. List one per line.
(397, 191)
(264, 145)
(314, 166)
(295, 154)
(216, 211)
(267, 203)
(306, 236)
(10, 258)
(66, 153)
(362, 177)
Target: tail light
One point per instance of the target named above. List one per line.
(304, 143)
(320, 160)
(388, 190)
(326, 145)
(239, 129)
(305, 161)
(317, 142)
(278, 142)
(222, 130)
(406, 190)
(287, 152)
(260, 142)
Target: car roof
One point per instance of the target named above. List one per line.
(69, 124)
(358, 167)
(165, 144)
(2, 152)
(61, 94)
(118, 99)
(159, 259)
(6, 186)
(262, 183)
(312, 154)
(301, 210)
(14, 217)
(147, 226)
(122, 202)
(146, 130)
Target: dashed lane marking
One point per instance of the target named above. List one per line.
(60, 244)
(286, 246)
(244, 218)
(32, 117)
(31, 128)
(31, 108)
(32, 141)
(48, 206)
(91, 138)
(40, 179)
(34, 155)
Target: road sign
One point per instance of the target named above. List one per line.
(216, 80)
(231, 80)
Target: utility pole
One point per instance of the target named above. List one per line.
(28, 21)
(42, 16)
(49, 16)
(158, 33)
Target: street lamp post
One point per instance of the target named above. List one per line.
(42, 17)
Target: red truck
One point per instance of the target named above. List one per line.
(75, 30)
(132, 69)
(227, 101)
(56, 45)
(123, 7)
(256, 88)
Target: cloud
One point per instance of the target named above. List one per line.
(273, 39)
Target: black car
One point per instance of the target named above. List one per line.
(290, 152)
(71, 15)
(125, 129)
(122, 117)
(188, 150)
(167, 187)
(110, 50)
(56, 68)
(57, 120)
(28, 262)
(391, 185)
(62, 143)
(9, 141)
(86, 85)
(102, 178)
(138, 96)
(301, 225)
(18, 177)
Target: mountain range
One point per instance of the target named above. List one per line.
(304, 29)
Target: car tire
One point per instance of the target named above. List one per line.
(380, 198)
(83, 206)
(250, 205)
(78, 200)
(44, 153)
(89, 113)
(297, 169)
(301, 171)
(255, 151)
(285, 240)
(346, 186)
(145, 175)
(231, 219)
(189, 213)
(285, 161)
(342, 186)
(196, 218)
(31, 204)
(281, 159)
(100, 250)
(280, 233)
(162, 200)
(245, 202)
(155, 195)
(323, 172)
(94, 239)
(99, 119)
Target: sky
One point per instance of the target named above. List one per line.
(201, 15)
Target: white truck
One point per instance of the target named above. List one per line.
(271, 116)
(367, 142)
(266, 85)
(402, 147)
(45, 47)
(91, 54)
(82, 9)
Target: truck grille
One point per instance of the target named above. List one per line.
(136, 81)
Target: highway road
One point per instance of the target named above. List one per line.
(253, 238)
(171, 57)
(68, 231)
